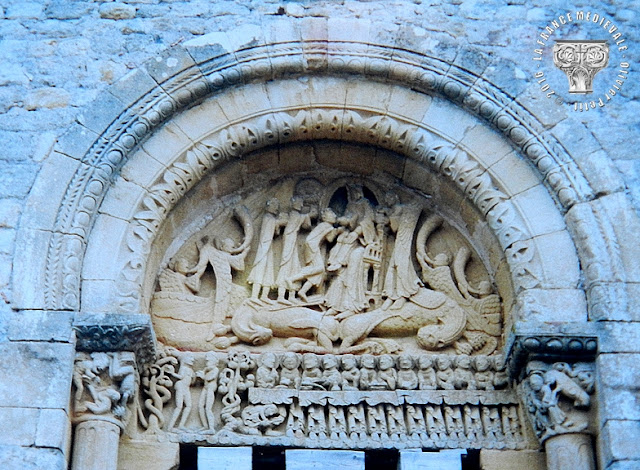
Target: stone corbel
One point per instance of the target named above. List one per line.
(116, 332)
(556, 380)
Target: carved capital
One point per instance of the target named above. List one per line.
(116, 332)
(558, 397)
(104, 384)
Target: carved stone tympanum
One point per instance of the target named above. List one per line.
(327, 310)
(342, 265)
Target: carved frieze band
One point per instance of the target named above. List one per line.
(114, 332)
(330, 401)
(428, 74)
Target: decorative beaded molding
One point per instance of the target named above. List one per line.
(374, 62)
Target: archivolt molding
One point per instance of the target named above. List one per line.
(224, 68)
(324, 123)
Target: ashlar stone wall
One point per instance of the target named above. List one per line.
(59, 56)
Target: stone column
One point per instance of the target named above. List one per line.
(96, 445)
(570, 451)
(103, 386)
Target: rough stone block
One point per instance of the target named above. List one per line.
(169, 63)
(48, 190)
(76, 141)
(538, 209)
(166, 144)
(7, 239)
(618, 370)
(449, 120)
(201, 120)
(45, 371)
(31, 458)
(486, 144)
(54, 430)
(619, 337)
(133, 86)
(619, 435)
(121, 201)
(98, 295)
(36, 325)
(561, 270)
(513, 174)
(20, 426)
(626, 227)
(244, 101)
(617, 403)
(16, 178)
(349, 30)
(24, 10)
(359, 94)
(553, 305)
(49, 98)
(224, 458)
(408, 104)
(10, 210)
(29, 269)
(164, 455)
(285, 93)
(117, 11)
(142, 169)
(304, 459)
(512, 459)
(101, 113)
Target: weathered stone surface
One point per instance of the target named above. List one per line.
(117, 11)
(31, 458)
(36, 325)
(46, 98)
(509, 459)
(45, 375)
(164, 455)
(54, 430)
(23, 422)
(619, 435)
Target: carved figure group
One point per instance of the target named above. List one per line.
(339, 274)
(557, 396)
(105, 383)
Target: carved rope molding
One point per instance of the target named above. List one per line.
(282, 127)
(376, 62)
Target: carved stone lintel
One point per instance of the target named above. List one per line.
(116, 332)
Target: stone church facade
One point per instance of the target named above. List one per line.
(321, 225)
